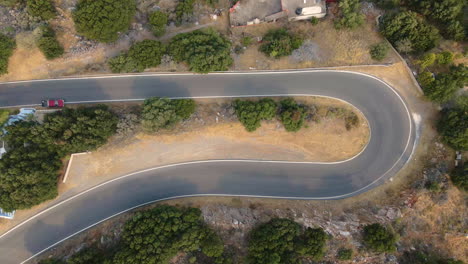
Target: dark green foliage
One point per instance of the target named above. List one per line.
(453, 127)
(442, 11)
(141, 55)
(82, 129)
(379, 239)
(292, 115)
(7, 45)
(184, 108)
(445, 58)
(158, 22)
(87, 256)
(419, 257)
(147, 53)
(184, 8)
(103, 20)
(442, 89)
(459, 73)
(157, 235)
(312, 243)
(427, 60)
(251, 113)
(345, 254)
(162, 113)
(273, 242)
(10, 3)
(350, 15)
(52, 261)
(278, 43)
(409, 26)
(387, 4)
(41, 8)
(49, 44)
(432, 186)
(246, 41)
(204, 51)
(379, 51)
(455, 31)
(314, 21)
(351, 120)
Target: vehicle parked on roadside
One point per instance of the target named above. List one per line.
(53, 103)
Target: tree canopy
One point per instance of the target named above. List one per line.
(7, 45)
(158, 22)
(162, 113)
(251, 113)
(103, 20)
(453, 127)
(379, 239)
(41, 8)
(49, 44)
(409, 26)
(204, 51)
(350, 14)
(278, 43)
(292, 115)
(141, 55)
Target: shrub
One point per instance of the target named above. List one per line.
(103, 20)
(404, 45)
(246, 41)
(379, 51)
(426, 79)
(52, 261)
(273, 242)
(183, 9)
(408, 25)
(453, 127)
(157, 235)
(345, 254)
(455, 30)
(442, 89)
(122, 63)
(41, 8)
(278, 43)
(314, 21)
(292, 115)
(351, 120)
(204, 51)
(48, 44)
(162, 113)
(158, 22)
(312, 243)
(445, 58)
(350, 16)
(251, 113)
(379, 239)
(86, 256)
(9, 3)
(442, 11)
(427, 60)
(4, 115)
(7, 45)
(147, 53)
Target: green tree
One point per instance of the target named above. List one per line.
(48, 44)
(427, 60)
(103, 20)
(204, 51)
(273, 242)
(312, 243)
(350, 15)
(251, 113)
(442, 89)
(147, 53)
(183, 9)
(408, 25)
(184, 108)
(278, 43)
(445, 58)
(292, 115)
(7, 45)
(52, 261)
(442, 11)
(379, 51)
(87, 256)
(41, 8)
(345, 254)
(379, 239)
(426, 79)
(453, 127)
(122, 63)
(157, 235)
(9, 3)
(455, 30)
(158, 113)
(158, 22)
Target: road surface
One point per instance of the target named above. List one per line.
(389, 148)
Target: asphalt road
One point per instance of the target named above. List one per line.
(390, 146)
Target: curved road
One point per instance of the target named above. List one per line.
(390, 146)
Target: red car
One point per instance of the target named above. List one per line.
(53, 103)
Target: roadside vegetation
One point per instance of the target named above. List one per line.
(158, 21)
(44, 9)
(49, 44)
(7, 45)
(350, 17)
(162, 113)
(279, 42)
(141, 55)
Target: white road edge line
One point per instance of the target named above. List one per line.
(69, 165)
(180, 164)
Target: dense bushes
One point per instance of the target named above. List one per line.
(459, 176)
(292, 115)
(453, 127)
(29, 170)
(350, 15)
(379, 239)
(42, 8)
(7, 45)
(251, 113)
(420, 257)
(344, 254)
(141, 55)
(157, 235)
(183, 9)
(278, 43)
(204, 51)
(443, 87)
(282, 241)
(103, 20)
(162, 113)
(158, 21)
(379, 51)
(48, 43)
(410, 27)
